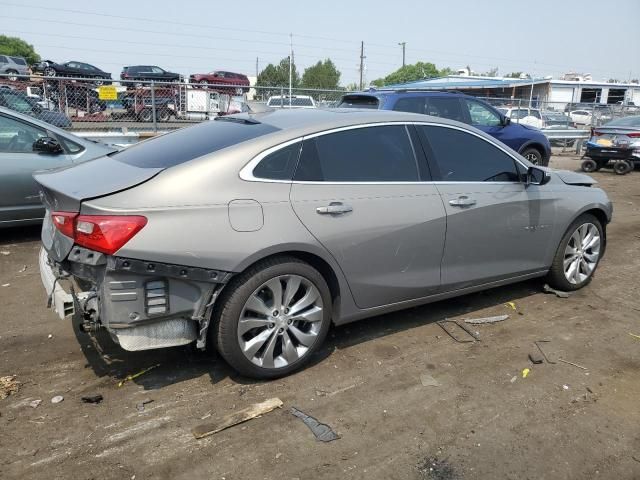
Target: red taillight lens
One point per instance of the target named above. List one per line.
(633, 135)
(64, 222)
(106, 233)
(103, 233)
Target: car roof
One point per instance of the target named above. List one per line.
(402, 92)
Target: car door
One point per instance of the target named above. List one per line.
(360, 192)
(20, 199)
(497, 225)
(73, 69)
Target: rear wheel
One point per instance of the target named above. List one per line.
(164, 115)
(272, 318)
(578, 254)
(533, 155)
(622, 167)
(145, 115)
(49, 72)
(204, 83)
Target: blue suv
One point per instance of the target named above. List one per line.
(527, 141)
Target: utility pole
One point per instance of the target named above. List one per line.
(290, 65)
(362, 57)
(403, 45)
(257, 69)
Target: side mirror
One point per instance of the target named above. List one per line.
(505, 121)
(537, 176)
(47, 145)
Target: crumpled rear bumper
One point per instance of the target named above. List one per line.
(58, 299)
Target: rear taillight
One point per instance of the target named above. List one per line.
(633, 135)
(64, 221)
(102, 233)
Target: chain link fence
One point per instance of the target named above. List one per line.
(126, 110)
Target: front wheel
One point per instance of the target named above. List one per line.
(272, 318)
(12, 75)
(534, 156)
(49, 72)
(589, 165)
(578, 254)
(622, 167)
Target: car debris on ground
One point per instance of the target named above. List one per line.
(8, 386)
(571, 363)
(136, 375)
(464, 339)
(536, 358)
(321, 431)
(482, 321)
(57, 399)
(92, 398)
(428, 381)
(557, 293)
(140, 406)
(35, 403)
(240, 416)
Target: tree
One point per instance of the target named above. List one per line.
(411, 73)
(17, 47)
(322, 75)
(277, 76)
(491, 73)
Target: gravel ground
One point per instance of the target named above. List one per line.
(372, 383)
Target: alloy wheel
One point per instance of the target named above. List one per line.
(532, 157)
(280, 321)
(582, 253)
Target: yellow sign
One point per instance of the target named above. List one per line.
(107, 92)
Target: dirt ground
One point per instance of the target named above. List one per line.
(482, 420)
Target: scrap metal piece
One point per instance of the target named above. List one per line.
(537, 344)
(322, 431)
(574, 364)
(481, 321)
(240, 416)
(557, 293)
(535, 358)
(472, 334)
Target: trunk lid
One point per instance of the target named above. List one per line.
(65, 189)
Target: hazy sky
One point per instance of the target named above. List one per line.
(540, 37)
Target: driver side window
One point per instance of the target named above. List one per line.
(18, 137)
(460, 156)
(481, 115)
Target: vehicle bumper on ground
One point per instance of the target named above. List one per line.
(143, 305)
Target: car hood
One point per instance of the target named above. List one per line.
(574, 178)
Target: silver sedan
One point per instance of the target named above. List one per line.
(253, 233)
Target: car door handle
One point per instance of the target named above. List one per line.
(462, 201)
(334, 208)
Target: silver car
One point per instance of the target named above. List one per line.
(28, 145)
(12, 67)
(255, 232)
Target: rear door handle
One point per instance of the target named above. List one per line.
(462, 201)
(334, 208)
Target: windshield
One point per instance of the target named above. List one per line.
(359, 101)
(17, 103)
(625, 122)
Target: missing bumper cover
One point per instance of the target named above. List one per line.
(167, 270)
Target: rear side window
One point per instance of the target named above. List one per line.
(410, 104)
(3, 59)
(459, 156)
(445, 107)
(370, 154)
(19, 60)
(280, 164)
(359, 101)
(192, 142)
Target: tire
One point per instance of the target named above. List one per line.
(534, 156)
(12, 75)
(203, 84)
(146, 115)
(589, 165)
(98, 81)
(557, 277)
(164, 115)
(50, 72)
(622, 167)
(280, 333)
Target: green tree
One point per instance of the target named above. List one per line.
(322, 75)
(517, 75)
(277, 76)
(410, 73)
(17, 47)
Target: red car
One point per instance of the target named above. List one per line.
(222, 78)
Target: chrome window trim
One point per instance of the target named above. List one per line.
(246, 173)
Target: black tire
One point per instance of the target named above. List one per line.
(50, 72)
(534, 156)
(589, 165)
(225, 319)
(12, 75)
(164, 115)
(556, 277)
(146, 115)
(622, 167)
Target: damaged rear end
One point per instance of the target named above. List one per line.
(141, 302)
